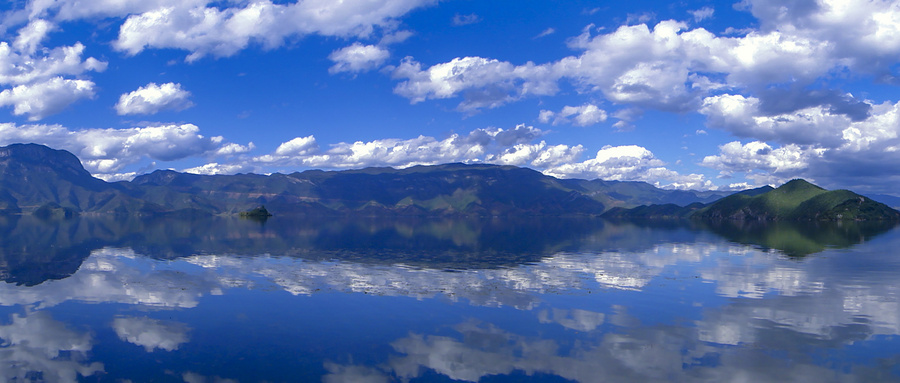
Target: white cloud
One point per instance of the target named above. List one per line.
(225, 31)
(153, 98)
(545, 33)
(232, 149)
(485, 83)
(584, 115)
(115, 177)
(151, 333)
(817, 142)
(479, 145)
(357, 58)
(107, 151)
(36, 74)
(32, 35)
(628, 163)
(776, 165)
(395, 37)
(460, 20)
(702, 13)
(667, 67)
(538, 155)
(67, 10)
(862, 33)
(39, 100)
(20, 68)
(214, 168)
(671, 67)
(742, 116)
(298, 146)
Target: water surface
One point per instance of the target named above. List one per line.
(417, 300)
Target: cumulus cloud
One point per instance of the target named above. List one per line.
(357, 58)
(41, 99)
(151, 333)
(297, 147)
(492, 145)
(667, 66)
(765, 165)
(484, 83)
(104, 151)
(21, 68)
(153, 98)
(629, 163)
(818, 142)
(862, 33)
(225, 31)
(585, 115)
(36, 74)
(742, 116)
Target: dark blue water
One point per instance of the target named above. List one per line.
(496, 300)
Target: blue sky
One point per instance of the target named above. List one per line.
(691, 95)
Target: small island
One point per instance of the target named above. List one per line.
(257, 213)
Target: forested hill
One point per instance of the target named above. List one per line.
(797, 200)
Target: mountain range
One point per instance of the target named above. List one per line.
(44, 181)
(36, 179)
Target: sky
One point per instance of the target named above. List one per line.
(703, 95)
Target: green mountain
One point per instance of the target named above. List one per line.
(798, 200)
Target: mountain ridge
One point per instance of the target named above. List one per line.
(35, 178)
(50, 183)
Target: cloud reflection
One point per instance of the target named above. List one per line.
(36, 345)
(151, 333)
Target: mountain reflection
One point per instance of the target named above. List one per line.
(799, 238)
(33, 250)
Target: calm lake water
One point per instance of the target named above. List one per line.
(496, 300)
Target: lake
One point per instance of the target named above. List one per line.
(440, 300)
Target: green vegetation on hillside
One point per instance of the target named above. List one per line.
(798, 200)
